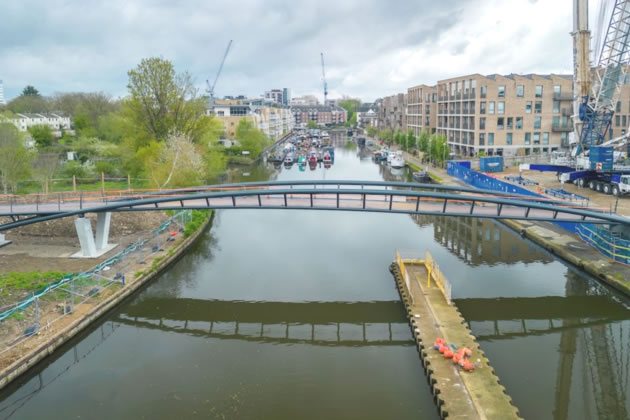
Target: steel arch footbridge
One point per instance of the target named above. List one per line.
(361, 196)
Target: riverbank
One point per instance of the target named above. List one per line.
(25, 355)
(556, 240)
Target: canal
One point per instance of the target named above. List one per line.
(294, 314)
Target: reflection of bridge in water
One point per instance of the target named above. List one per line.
(318, 323)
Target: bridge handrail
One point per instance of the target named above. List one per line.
(362, 192)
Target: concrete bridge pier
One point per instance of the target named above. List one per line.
(92, 247)
(3, 240)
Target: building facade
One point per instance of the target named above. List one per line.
(321, 114)
(306, 100)
(422, 109)
(56, 121)
(505, 115)
(367, 115)
(392, 113)
(274, 121)
(2, 100)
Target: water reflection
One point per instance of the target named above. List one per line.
(481, 241)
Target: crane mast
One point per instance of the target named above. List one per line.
(324, 80)
(211, 87)
(595, 104)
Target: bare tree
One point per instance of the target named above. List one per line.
(44, 167)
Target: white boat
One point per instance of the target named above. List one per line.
(397, 160)
(289, 159)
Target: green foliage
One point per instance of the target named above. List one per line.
(423, 141)
(250, 138)
(15, 160)
(163, 102)
(371, 131)
(42, 134)
(411, 140)
(30, 281)
(481, 154)
(30, 91)
(105, 167)
(312, 124)
(199, 217)
(387, 135)
(350, 105)
(438, 150)
(29, 104)
(74, 168)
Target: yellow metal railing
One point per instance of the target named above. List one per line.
(434, 274)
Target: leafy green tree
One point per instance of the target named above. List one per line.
(15, 160)
(351, 106)
(411, 140)
(312, 124)
(29, 104)
(423, 141)
(163, 102)
(251, 138)
(387, 135)
(30, 91)
(73, 168)
(371, 131)
(42, 134)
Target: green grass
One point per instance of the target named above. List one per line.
(27, 282)
(198, 218)
(435, 177)
(414, 166)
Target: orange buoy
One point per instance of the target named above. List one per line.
(456, 358)
(466, 351)
(448, 354)
(468, 365)
(442, 348)
(461, 361)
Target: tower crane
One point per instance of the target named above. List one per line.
(597, 95)
(211, 87)
(324, 80)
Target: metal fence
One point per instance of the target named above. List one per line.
(76, 293)
(434, 274)
(605, 242)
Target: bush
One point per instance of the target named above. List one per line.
(105, 167)
(198, 218)
(74, 168)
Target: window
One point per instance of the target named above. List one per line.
(482, 107)
(536, 138)
(556, 107)
(618, 106)
(557, 89)
(556, 121)
(528, 107)
(520, 91)
(500, 125)
(623, 121)
(509, 123)
(482, 123)
(528, 137)
(491, 107)
(538, 107)
(221, 113)
(508, 139)
(545, 138)
(539, 91)
(482, 139)
(537, 122)
(501, 92)
(484, 89)
(490, 139)
(500, 107)
(519, 123)
(626, 79)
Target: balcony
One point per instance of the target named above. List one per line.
(567, 112)
(562, 128)
(561, 96)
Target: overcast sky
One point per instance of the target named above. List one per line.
(371, 48)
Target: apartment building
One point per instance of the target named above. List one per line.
(422, 109)
(505, 115)
(55, 120)
(306, 100)
(274, 121)
(321, 114)
(392, 113)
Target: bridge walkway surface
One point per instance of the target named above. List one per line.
(457, 393)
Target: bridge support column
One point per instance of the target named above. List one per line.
(91, 247)
(3, 240)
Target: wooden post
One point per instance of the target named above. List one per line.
(128, 182)
(74, 183)
(103, 182)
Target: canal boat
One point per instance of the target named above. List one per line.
(301, 161)
(397, 161)
(312, 159)
(420, 176)
(326, 157)
(289, 159)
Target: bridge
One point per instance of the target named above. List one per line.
(340, 195)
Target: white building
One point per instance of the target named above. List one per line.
(56, 121)
(306, 100)
(2, 101)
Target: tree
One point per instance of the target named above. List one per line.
(176, 162)
(15, 160)
(351, 106)
(30, 91)
(29, 104)
(423, 141)
(44, 167)
(42, 134)
(371, 131)
(250, 138)
(163, 102)
(387, 135)
(312, 124)
(411, 140)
